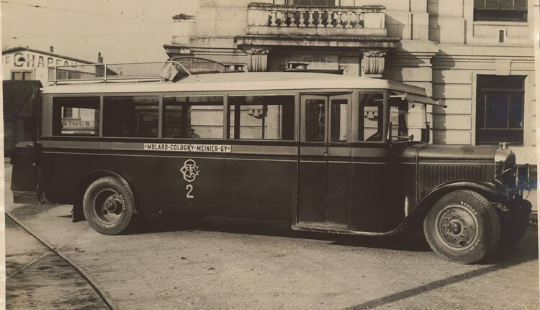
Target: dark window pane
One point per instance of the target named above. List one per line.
(76, 116)
(340, 112)
(370, 121)
(17, 76)
(500, 15)
(520, 5)
(500, 83)
(497, 110)
(492, 4)
(481, 111)
(479, 4)
(130, 116)
(516, 111)
(261, 117)
(507, 4)
(193, 117)
(313, 2)
(315, 119)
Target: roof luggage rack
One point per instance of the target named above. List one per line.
(171, 70)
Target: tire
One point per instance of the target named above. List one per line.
(462, 227)
(108, 206)
(514, 225)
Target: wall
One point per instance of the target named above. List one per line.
(33, 62)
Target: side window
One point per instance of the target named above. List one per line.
(261, 117)
(130, 116)
(339, 115)
(315, 120)
(76, 116)
(193, 117)
(370, 120)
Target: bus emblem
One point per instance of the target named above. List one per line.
(190, 170)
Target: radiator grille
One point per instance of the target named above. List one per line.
(438, 174)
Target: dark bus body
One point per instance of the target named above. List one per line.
(316, 162)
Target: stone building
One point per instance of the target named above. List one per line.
(25, 71)
(475, 55)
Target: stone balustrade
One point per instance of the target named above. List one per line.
(266, 18)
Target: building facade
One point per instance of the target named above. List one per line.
(25, 70)
(476, 56)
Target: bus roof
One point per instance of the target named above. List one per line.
(239, 81)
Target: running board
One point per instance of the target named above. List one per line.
(337, 228)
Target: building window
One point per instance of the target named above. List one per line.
(314, 2)
(499, 109)
(500, 10)
(21, 75)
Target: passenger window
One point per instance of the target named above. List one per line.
(315, 119)
(130, 116)
(76, 116)
(370, 121)
(261, 117)
(193, 117)
(339, 115)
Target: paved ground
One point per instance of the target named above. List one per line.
(242, 264)
(37, 278)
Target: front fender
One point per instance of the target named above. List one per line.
(485, 189)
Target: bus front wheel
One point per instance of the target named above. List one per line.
(108, 206)
(462, 227)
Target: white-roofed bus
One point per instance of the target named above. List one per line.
(327, 152)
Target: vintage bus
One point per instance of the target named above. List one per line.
(327, 152)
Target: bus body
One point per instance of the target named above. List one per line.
(326, 152)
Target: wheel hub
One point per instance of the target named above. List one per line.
(457, 227)
(108, 206)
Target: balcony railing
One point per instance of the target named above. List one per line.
(266, 18)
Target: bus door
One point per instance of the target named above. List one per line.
(324, 162)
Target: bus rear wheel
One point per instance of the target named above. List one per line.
(462, 227)
(108, 206)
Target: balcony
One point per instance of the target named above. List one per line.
(270, 19)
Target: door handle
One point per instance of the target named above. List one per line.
(325, 153)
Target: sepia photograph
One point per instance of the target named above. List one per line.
(269, 154)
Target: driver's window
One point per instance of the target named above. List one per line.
(370, 121)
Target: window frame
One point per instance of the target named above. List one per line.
(481, 95)
(386, 115)
(130, 95)
(23, 72)
(262, 94)
(187, 95)
(507, 18)
(68, 97)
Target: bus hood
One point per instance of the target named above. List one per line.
(457, 152)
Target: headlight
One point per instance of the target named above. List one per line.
(505, 162)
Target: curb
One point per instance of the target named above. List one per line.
(107, 299)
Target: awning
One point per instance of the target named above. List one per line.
(412, 98)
